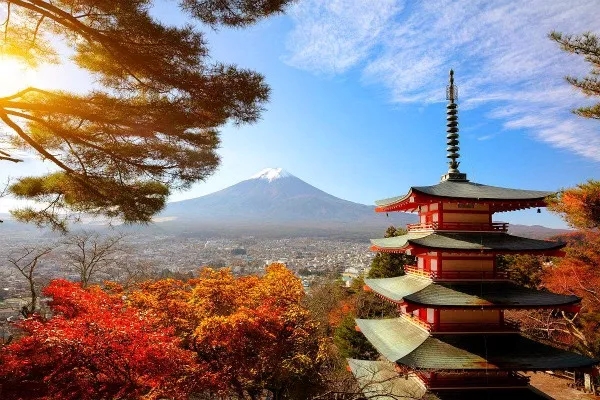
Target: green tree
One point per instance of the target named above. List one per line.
(587, 45)
(358, 304)
(388, 265)
(353, 344)
(526, 269)
(150, 123)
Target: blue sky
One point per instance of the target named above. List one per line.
(358, 97)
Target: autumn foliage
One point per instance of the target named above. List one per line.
(579, 206)
(92, 348)
(237, 337)
(577, 274)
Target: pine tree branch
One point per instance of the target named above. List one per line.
(32, 142)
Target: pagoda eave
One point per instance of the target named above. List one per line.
(415, 292)
(495, 205)
(419, 250)
(381, 379)
(405, 343)
(500, 199)
(417, 243)
(412, 306)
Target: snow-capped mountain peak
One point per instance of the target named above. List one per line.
(270, 174)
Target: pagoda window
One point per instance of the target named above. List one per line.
(433, 265)
(480, 218)
(431, 315)
(420, 263)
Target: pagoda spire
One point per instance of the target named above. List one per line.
(453, 173)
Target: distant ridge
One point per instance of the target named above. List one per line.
(536, 231)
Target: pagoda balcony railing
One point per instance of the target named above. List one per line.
(457, 274)
(416, 320)
(459, 226)
(471, 275)
(489, 379)
(416, 271)
(474, 327)
(471, 327)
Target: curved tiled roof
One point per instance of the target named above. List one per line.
(469, 190)
(466, 241)
(394, 338)
(499, 294)
(487, 294)
(401, 341)
(397, 288)
(508, 351)
(379, 380)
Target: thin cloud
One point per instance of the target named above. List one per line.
(486, 137)
(500, 50)
(334, 35)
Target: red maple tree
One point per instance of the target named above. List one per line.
(95, 347)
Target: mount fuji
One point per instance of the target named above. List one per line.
(275, 199)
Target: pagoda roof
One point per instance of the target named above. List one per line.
(394, 338)
(472, 241)
(397, 288)
(464, 190)
(402, 341)
(379, 380)
(490, 294)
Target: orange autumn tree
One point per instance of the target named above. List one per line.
(252, 333)
(95, 347)
(577, 273)
(579, 206)
(167, 301)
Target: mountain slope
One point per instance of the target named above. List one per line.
(275, 197)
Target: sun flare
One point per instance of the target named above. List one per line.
(14, 76)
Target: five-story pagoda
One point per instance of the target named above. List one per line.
(452, 340)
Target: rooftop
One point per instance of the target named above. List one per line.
(490, 294)
(499, 197)
(472, 241)
(401, 341)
